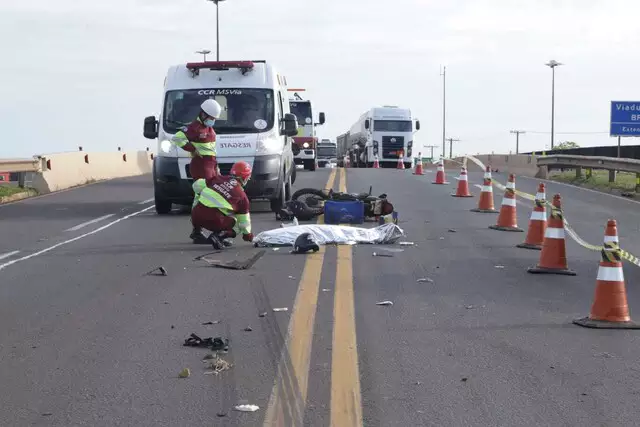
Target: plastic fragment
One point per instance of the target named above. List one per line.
(185, 373)
(382, 255)
(406, 244)
(246, 408)
(394, 250)
(263, 314)
(215, 322)
(248, 329)
(281, 309)
(425, 279)
(499, 266)
(385, 303)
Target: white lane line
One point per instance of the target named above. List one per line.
(93, 221)
(57, 245)
(144, 202)
(9, 254)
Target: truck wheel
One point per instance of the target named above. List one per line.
(278, 203)
(163, 206)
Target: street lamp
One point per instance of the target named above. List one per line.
(443, 73)
(217, 28)
(204, 53)
(517, 132)
(553, 64)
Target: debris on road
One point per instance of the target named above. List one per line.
(469, 307)
(236, 265)
(326, 290)
(385, 303)
(499, 266)
(394, 250)
(212, 343)
(441, 238)
(201, 257)
(215, 322)
(264, 314)
(452, 230)
(221, 414)
(425, 279)
(407, 244)
(292, 278)
(208, 356)
(185, 373)
(158, 271)
(464, 379)
(281, 309)
(246, 408)
(382, 255)
(248, 329)
(218, 365)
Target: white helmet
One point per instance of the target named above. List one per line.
(212, 108)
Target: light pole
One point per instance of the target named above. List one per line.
(451, 141)
(204, 53)
(553, 64)
(443, 73)
(432, 147)
(217, 28)
(517, 132)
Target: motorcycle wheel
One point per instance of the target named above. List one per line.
(311, 197)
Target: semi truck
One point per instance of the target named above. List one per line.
(304, 143)
(386, 132)
(327, 152)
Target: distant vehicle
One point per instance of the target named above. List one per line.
(305, 141)
(255, 126)
(386, 132)
(327, 153)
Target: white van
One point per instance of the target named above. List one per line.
(255, 126)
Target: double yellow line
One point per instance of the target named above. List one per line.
(289, 394)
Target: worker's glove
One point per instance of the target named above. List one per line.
(247, 237)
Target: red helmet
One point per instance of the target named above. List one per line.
(241, 170)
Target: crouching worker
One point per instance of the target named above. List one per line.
(222, 207)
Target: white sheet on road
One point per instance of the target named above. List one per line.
(330, 234)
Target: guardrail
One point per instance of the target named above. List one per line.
(612, 164)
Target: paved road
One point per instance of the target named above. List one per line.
(88, 339)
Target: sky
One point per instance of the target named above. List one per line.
(84, 73)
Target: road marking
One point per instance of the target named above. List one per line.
(144, 202)
(93, 221)
(346, 402)
(9, 254)
(82, 236)
(289, 394)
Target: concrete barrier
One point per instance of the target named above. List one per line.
(65, 170)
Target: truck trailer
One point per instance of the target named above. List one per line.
(386, 132)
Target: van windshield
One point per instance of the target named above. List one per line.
(243, 110)
(302, 111)
(327, 150)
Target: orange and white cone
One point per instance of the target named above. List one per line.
(485, 203)
(418, 170)
(537, 222)
(508, 218)
(376, 163)
(610, 309)
(553, 257)
(440, 176)
(400, 160)
(463, 185)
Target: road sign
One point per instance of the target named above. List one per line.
(625, 118)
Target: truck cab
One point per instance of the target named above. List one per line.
(305, 141)
(327, 153)
(255, 126)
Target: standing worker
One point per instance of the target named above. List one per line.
(199, 139)
(222, 207)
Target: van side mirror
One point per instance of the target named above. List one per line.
(417, 124)
(150, 130)
(290, 122)
(366, 124)
(322, 118)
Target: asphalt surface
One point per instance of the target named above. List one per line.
(88, 339)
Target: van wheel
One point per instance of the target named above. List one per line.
(288, 189)
(294, 175)
(278, 203)
(163, 206)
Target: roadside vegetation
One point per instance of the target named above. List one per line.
(10, 190)
(599, 180)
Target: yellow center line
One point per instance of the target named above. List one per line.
(346, 402)
(289, 394)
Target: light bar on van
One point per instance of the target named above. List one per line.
(296, 90)
(244, 66)
(301, 139)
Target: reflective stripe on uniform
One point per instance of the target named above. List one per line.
(244, 222)
(205, 148)
(199, 185)
(180, 139)
(212, 199)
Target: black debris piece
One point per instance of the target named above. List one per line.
(200, 257)
(211, 343)
(236, 265)
(215, 322)
(158, 271)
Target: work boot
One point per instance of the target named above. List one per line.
(226, 236)
(197, 237)
(215, 242)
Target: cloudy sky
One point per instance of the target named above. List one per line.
(80, 72)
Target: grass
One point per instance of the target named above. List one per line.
(10, 190)
(599, 180)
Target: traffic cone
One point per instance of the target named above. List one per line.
(553, 257)
(508, 219)
(400, 162)
(609, 309)
(418, 170)
(376, 163)
(463, 185)
(440, 177)
(485, 203)
(537, 222)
